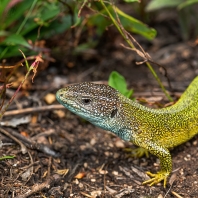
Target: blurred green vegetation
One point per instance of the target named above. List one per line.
(128, 22)
(187, 11)
(24, 23)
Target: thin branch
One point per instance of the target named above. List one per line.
(34, 145)
(23, 147)
(33, 110)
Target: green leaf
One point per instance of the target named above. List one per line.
(50, 13)
(16, 39)
(128, 22)
(131, 1)
(136, 26)
(117, 81)
(11, 51)
(41, 17)
(3, 6)
(6, 157)
(15, 13)
(187, 3)
(46, 18)
(159, 4)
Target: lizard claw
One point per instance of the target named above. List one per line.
(137, 152)
(162, 175)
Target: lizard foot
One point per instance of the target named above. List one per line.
(162, 175)
(137, 152)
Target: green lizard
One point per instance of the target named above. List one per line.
(154, 130)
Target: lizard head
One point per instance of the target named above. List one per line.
(96, 103)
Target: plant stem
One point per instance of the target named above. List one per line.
(133, 47)
(32, 67)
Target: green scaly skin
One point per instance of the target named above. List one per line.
(154, 130)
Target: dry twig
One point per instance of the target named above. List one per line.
(23, 147)
(33, 110)
(32, 144)
(38, 187)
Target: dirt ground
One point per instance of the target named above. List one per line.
(65, 156)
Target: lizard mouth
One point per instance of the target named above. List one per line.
(60, 96)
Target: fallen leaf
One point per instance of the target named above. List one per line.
(80, 175)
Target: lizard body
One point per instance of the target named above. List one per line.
(155, 130)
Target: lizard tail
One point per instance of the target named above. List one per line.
(189, 98)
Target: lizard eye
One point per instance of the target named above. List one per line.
(86, 101)
(114, 112)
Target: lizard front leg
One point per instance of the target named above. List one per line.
(137, 152)
(165, 162)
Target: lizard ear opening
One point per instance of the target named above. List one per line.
(114, 112)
